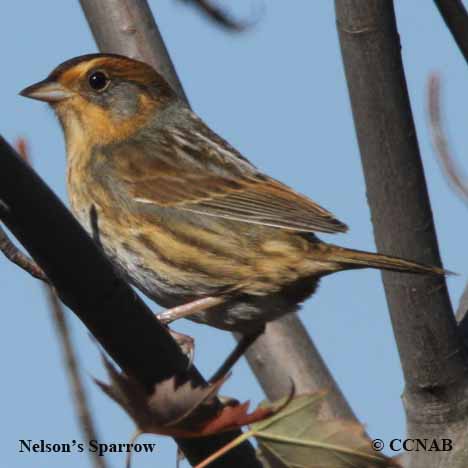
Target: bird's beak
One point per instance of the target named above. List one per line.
(47, 91)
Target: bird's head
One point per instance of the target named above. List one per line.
(102, 97)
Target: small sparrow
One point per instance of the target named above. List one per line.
(184, 216)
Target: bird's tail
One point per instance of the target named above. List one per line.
(350, 259)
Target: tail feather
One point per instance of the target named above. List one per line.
(358, 259)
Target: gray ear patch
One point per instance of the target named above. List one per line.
(121, 98)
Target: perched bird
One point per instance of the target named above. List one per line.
(178, 210)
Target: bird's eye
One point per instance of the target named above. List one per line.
(98, 81)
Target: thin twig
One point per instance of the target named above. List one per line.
(71, 364)
(15, 255)
(128, 458)
(220, 452)
(456, 18)
(220, 17)
(457, 180)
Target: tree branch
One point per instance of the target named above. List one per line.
(456, 18)
(454, 174)
(86, 281)
(457, 180)
(127, 27)
(217, 15)
(287, 341)
(71, 366)
(15, 255)
(7, 247)
(109, 21)
(58, 317)
(429, 344)
(401, 211)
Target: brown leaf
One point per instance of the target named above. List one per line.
(178, 409)
(23, 149)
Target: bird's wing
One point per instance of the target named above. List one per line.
(199, 172)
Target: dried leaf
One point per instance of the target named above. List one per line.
(264, 412)
(298, 437)
(178, 409)
(23, 149)
(234, 417)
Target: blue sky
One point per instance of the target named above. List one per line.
(278, 94)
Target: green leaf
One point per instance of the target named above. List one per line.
(300, 437)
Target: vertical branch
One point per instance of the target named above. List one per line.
(429, 344)
(401, 213)
(71, 365)
(132, 31)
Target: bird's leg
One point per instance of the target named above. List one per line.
(191, 308)
(241, 347)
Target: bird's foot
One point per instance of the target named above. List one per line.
(185, 310)
(186, 343)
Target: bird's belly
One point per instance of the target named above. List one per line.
(134, 265)
(173, 271)
(248, 313)
(167, 292)
(160, 270)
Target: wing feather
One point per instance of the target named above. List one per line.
(197, 171)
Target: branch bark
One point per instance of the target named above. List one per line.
(429, 344)
(132, 31)
(287, 341)
(86, 282)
